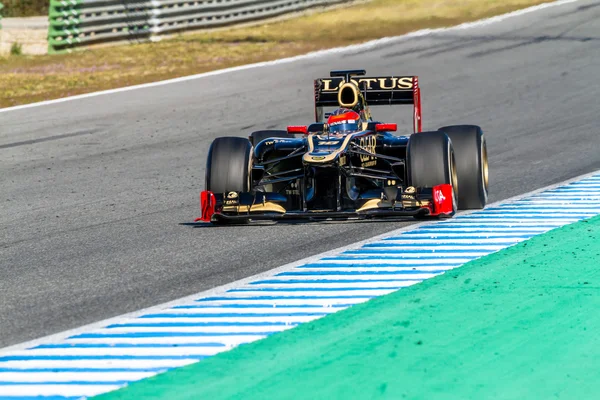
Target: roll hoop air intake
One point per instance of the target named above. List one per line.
(348, 95)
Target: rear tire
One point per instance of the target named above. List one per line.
(258, 136)
(471, 164)
(430, 162)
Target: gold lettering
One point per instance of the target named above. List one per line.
(369, 164)
(369, 144)
(382, 82)
(405, 83)
(326, 85)
(368, 80)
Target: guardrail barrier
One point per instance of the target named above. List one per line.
(77, 23)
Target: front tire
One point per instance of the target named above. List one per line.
(228, 165)
(471, 164)
(430, 162)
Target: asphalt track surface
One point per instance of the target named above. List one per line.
(94, 192)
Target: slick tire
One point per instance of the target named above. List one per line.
(430, 162)
(259, 136)
(470, 151)
(228, 166)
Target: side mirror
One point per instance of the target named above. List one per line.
(386, 127)
(317, 127)
(303, 129)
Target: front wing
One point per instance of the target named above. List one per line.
(237, 206)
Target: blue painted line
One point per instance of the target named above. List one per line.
(530, 213)
(518, 217)
(440, 260)
(198, 324)
(124, 345)
(495, 224)
(441, 236)
(410, 254)
(133, 335)
(286, 298)
(463, 246)
(544, 214)
(483, 227)
(358, 265)
(592, 187)
(82, 383)
(315, 281)
(311, 289)
(556, 201)
(234, 315)
(87, 369)
(40, 398)
(537, 206)
(354, 273)
(562, 198)
(480, 232)
(96, 357)
(234, 306)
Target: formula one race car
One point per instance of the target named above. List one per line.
(347, 165)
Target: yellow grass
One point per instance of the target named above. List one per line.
(25, 79)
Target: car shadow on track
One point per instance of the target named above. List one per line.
(254, 224)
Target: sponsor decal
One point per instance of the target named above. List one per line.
(317, 158)
(369, 144)
(383, 83)
(439, 196)
(369, 164)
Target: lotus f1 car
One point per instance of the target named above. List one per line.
(346, 164)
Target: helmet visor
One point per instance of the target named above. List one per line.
(342, 127)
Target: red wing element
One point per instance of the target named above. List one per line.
(303, 129)
(442, 200)
(386, 127)
(417, 123)
(207, 206)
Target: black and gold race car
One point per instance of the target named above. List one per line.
(346, 164)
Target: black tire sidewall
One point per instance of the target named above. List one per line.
(469, 147)
(430, 160)
(228, 165)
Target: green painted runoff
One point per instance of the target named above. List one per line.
(522, 323)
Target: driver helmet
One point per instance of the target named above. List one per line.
(343, 120)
